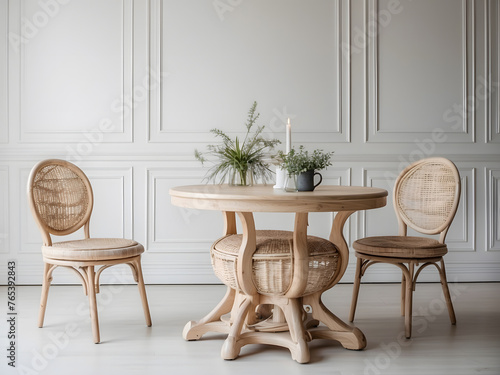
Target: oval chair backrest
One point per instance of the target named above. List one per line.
(60, 197)
(426, 196)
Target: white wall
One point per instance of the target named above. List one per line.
(128, 89)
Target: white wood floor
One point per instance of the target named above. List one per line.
(64, 345)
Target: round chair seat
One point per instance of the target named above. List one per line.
(92, 249)
(273, 261)
(400, 247)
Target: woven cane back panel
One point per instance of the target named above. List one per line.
(272, 262)
(60, 197)
(426, 196)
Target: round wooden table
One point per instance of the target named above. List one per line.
(243, 326)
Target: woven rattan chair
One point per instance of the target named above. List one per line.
(61, 202)
(426, 197)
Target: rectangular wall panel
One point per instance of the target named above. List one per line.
(174, 229)
(4, 72)
(418, 84)
(112, 215)
(493, 209)
(76, 71)
(297, 48)
(462, 233)
(382, 221)
(491, 87)
(4, 210)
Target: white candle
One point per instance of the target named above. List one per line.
(288, 141)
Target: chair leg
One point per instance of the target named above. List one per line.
(355, 290)
(409, 300)
(403, 294)
(142, 292)
(45, 294)
(93, 303)
(446, 292)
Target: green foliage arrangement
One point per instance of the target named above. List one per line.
(246, 158)
(296, 162)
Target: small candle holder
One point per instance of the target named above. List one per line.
(280, 178)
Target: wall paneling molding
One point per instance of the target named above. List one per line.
(58, 94)
(492, 62)
(4, 71)
(492, 209)
(160, 130)
(377, 130)
(380, 82)
(169, 227)
(4, 210)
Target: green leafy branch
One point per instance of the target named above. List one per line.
(296, 162)
(241, 157)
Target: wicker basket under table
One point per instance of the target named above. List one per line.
(272, 262)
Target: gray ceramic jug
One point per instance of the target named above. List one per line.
(305, 180)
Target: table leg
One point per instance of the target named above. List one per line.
(211, 322)
(293, 313)
(349, 337)
(294, 338)
(337, 237)
(232, 346)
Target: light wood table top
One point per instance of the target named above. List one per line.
(264, 198)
